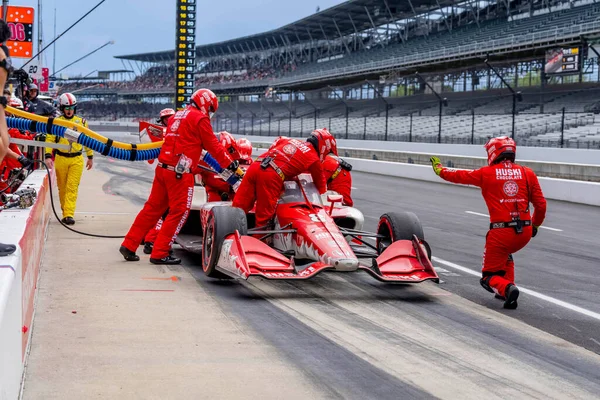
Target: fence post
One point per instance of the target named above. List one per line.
(410, 129)
(252, 125)
(365, 130)
(269, 124)
(562, 128)
(472, 126)
(387, 110)
(514, 112)
(301, 125)
(347, 112)
(440, 124)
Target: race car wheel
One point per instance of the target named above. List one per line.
(222, 221)
(395, 226)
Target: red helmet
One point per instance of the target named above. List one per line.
(15, 102)
(245, 149)
(230, 145)
(206, 101)
(323, 142)
(165, 113)
(499, 146)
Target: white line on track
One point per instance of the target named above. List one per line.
(530, 292)
(541, 227)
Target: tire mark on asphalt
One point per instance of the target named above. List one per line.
(336, 371)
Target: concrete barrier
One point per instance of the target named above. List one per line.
(19, 274)
(554, 189)
(577, 171)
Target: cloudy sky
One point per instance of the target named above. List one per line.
(139, 26)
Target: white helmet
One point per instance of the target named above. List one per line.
(67, 100)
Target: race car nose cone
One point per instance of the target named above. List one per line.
(344, 264)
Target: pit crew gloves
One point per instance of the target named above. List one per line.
(25, 162)
(436, 163)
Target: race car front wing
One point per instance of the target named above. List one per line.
(404, 261)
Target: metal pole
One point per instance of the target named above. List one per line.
(4, 9)
(347, 112)
(410, 129)
(473, 126)
(387, 111)
(365, 130)
(562, 128)
(39, 31)
(440, 124)
(514, 111)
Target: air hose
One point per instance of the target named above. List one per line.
(72, 126)
(107, 147)
(134, 153)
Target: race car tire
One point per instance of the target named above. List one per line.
(399, 226)
(222, 221)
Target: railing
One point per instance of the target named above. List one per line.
(562, 129)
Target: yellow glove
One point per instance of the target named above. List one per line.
(436, 163)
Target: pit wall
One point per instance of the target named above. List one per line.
(571, 190)
(19, 272)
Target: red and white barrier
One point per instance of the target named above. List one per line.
(19, 274)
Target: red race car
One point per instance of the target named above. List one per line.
(309, 236)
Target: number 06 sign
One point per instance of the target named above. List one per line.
(20, 22)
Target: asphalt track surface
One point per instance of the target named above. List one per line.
(358, 338)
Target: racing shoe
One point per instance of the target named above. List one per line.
(128, 254)
(148, 247)
(512, 293)
(68, 221)
(169, 260)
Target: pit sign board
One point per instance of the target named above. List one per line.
(185, 52)
(20, 21)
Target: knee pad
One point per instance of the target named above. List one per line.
(486, 277)
(485, 283)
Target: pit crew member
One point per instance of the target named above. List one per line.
(188, 133)
(507, 189)
(68, 165)
(163, 119)
(286, 159)
(336, 170)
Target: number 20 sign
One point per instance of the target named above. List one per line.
(20, 21)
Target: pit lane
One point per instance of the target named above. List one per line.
(357, 338)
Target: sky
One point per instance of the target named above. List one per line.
(139, 26)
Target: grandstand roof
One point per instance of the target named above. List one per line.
(341, 20)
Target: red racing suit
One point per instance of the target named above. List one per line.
(263, 186)
(8, 164)
(189, 131)
(507, 189)
(338, 178)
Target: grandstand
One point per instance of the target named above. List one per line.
(352, 67)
